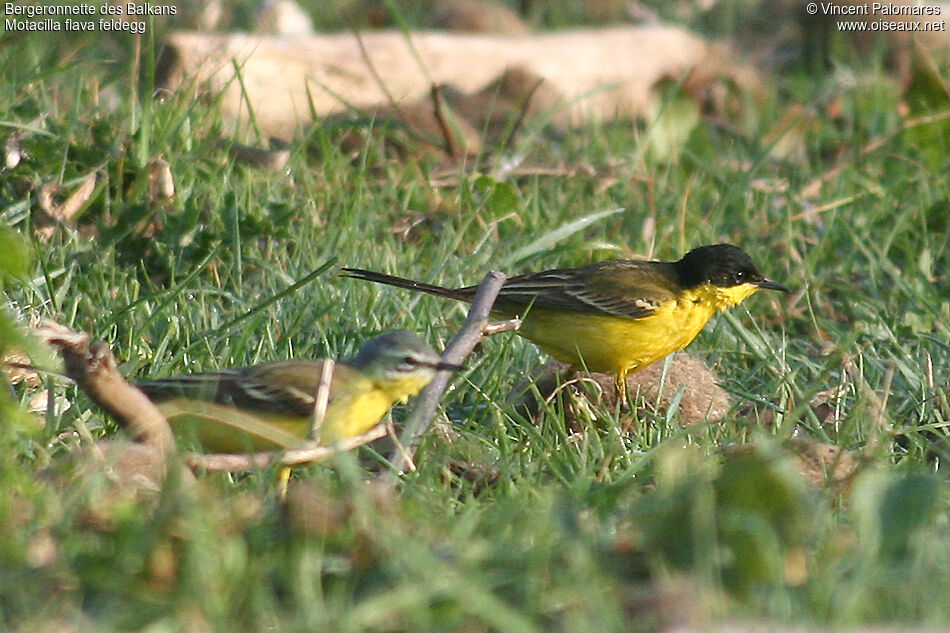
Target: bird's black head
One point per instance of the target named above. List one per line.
(722, 265)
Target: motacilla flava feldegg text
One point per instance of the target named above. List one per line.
(616, 316)
(270, 405)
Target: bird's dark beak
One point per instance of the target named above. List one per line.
(768, 284)
(448, 367)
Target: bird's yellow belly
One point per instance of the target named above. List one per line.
(613, 344)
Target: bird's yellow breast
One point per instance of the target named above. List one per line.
(358, 410)
(612, 344)
(354, 415)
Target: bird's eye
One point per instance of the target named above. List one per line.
(407, 363)
(739, 277)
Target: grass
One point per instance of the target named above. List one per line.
(514, 526)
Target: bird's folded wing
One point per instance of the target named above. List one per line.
(288, 387)
(629, 290)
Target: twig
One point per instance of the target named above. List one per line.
(497, 327)
(399, 448)
(322, 399)
(450, 177)
(522, 112)
(393, 103)
(438, 110)
(306, 453)
(94, 369)
(457, 351)
(397, 109)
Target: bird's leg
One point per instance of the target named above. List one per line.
(400, 449)
(623, 398)
(283, 481)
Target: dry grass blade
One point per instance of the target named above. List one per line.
(65, 212)
(161, 185)
(322, 399)
(438, 110)
(273, 159)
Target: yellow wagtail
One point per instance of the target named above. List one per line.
(616, 316)
(271, 405)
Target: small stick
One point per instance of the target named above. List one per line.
(94, 369)
(497, 327)
(306, 453)
(400, 449)
(438, 110)
(457, 351)
(393, 103)
(319, 415)
(523, 111)
(321, 400)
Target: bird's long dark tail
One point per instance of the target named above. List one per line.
(461, 294)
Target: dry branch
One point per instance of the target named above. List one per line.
(306, 453)
(94, 369)
(438, 110)
(459, 349)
